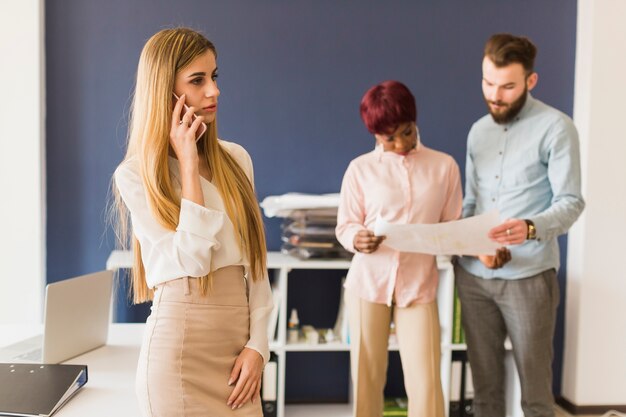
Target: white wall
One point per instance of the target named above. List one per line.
(22, 168)
(594, 368)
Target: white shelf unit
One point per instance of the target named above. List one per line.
(283, 264)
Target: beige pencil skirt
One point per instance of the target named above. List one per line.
(190, 346)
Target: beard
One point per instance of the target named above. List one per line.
(510, 111)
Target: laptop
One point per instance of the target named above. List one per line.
(76, 320)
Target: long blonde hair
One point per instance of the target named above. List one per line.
(164, 55)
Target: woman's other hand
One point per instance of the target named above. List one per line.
(502, 256)
(247, 373)
(366, 242)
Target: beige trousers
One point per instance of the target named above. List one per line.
(417, 329)
(190, 346)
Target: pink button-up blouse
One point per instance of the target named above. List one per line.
(422, 187)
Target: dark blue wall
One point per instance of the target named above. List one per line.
(291, 76)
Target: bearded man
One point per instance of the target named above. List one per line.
(523, 160)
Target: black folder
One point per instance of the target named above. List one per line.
(38, 389)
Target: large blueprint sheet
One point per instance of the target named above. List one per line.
(461, 237)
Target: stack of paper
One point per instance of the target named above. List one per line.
(308, 229)
(462, 237)
(283, 205)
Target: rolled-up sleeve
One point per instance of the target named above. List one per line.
(565, 180)
(190, 246)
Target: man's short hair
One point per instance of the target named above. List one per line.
(386, 106)
(504, 49)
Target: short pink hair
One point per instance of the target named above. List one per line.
(386, 106)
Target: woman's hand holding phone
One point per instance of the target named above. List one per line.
(183, 142)
(186, 129)
(203, 126)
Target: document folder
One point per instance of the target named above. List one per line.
(36, 389)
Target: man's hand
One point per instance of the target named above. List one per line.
(511, 232)
(502, 256)
(366, 242)
(247, 373)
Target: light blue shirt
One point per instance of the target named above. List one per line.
(527, 169)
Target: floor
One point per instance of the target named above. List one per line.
(561, 413)
(344, 410)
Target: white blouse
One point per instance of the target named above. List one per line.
(204, 240)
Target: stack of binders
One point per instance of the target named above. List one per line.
(310, 234)
(308, 229)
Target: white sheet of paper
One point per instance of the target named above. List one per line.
(461, 237)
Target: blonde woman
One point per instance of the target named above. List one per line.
(197, 237)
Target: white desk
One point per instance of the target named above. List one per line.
(110, 390)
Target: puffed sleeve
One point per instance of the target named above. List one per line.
(261, 304)
(260, 300)
(189, 247)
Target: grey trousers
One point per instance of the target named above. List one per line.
(525, 309)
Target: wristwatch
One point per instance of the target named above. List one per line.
(532, 230)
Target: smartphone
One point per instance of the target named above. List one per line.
(203, 125)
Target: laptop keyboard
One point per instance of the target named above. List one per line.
(32, 355)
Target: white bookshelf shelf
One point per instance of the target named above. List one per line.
(318, 410)
(283, 264)
(320, 347)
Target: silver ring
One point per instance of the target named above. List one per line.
(508, 232)
(181, 122)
